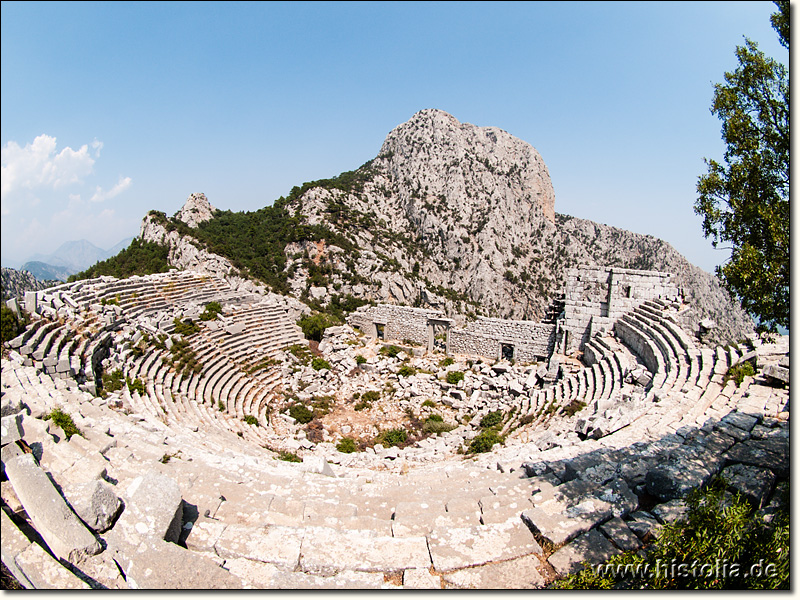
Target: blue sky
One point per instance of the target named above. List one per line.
(112, 109)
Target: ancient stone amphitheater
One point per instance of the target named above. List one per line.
(173, 481)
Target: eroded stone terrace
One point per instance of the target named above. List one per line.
(165, 490)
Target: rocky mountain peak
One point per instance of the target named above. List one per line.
(196, 210)
(435, 156)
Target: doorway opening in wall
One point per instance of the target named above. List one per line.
(379, 331)
(507, 352)
(440, 337)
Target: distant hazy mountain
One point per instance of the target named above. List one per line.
(43, 271)
(71, 257)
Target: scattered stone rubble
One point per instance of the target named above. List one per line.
(162, 489)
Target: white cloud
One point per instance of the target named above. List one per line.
(123, 184)
(38, 165)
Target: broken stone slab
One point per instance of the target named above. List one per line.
(743, 421)
(517, 574)
(676, 479)
(154, 508)
(620, 534)
(10, 429)
(576, 507)
(32, 566)
(420, 579)
(11, 403)
(326, 551)
(769, 453)
(754, 483)
(460, 547)
(592, 547)
(642, 523)
(95, 503)
(156, 564)
(344, 580)
(671, 511)
(317, 464)
(65, 534)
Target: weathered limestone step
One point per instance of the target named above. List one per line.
(459, 547)
(67, 537)
(591, 547)
(516, 574)
(30, 564)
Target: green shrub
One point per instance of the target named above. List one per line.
(314, 326)
(437, 427)
(436, 418)
(139, 258)
(454, 377)
(484, 441)
(393, 437)
(186, 327)
(711, 534)
(406, 371)
(491, 419)
(135, 386)
(574, 407)
(10, 326)
(221, 406)
(250, 420)
(739, 372)
(289, 456)
(64, 421)
(527, 419)
(371, 396)
(391, 351)
(347, 445)
(113, 382)
(429, 404)
(211, 312)
(446, 362)
(360, 360)
(300, 413)
(319, 363)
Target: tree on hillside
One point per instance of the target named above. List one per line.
(745, 202)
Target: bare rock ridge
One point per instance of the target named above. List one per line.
(454, 217)
(196, 210)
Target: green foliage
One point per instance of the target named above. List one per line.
(113, 382)
(221, 406)
(390, 351)
(182, 358)
(406, 371)
(186, 327)
(319, 363)
(10, 325)
(371, 396)
(446, 362)
(250, 420)
(454, 377)
(211, 312)
(492, 418)
(745, 202)
(574, 407)
(484, 441)
(392, 437)
(429, 403)
(300, 413)
(739, 372)
(314, 326)
(289, 456)
(301, 353)
(715, 532)
(135, 385)
(139, 258)
(64, 421)
(436, 424)
(347, 445)
(360, 360)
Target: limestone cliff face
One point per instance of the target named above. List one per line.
(16, 283)
(456, 217)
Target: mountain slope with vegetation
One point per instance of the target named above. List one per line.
(448, 215)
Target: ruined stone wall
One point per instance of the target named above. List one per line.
(596, 297)
(483, 337)
(400, 322)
